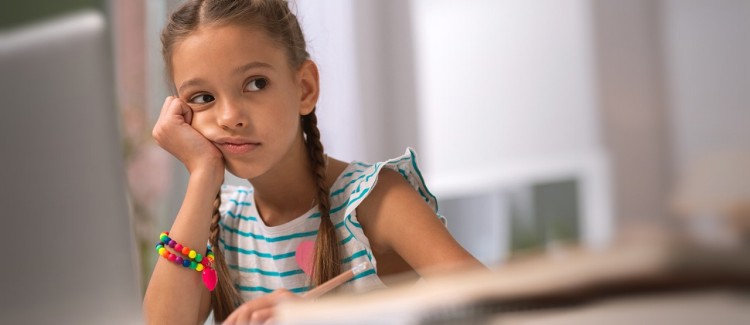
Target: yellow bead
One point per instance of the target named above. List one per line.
(192, 254)
(199, 267)
(162, 251)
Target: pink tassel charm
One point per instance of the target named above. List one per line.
(209, 278)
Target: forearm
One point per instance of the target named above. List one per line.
(174, 292)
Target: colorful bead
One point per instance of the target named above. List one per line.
(190, 259)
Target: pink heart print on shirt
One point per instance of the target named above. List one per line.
(304, 256)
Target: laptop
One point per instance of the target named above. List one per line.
(68, 248)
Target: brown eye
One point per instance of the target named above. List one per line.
(256, 84)
(202, 99)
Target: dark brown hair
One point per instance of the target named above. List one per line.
(278, 22)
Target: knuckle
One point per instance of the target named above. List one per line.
(256, 318)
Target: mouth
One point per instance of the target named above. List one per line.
(236, 146)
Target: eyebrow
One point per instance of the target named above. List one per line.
(238, 70)
(252, 65)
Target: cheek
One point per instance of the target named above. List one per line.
(202, 122)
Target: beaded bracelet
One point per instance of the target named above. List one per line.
(191, 259)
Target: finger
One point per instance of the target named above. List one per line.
(187, 111)
(282, 295)
(179, 108)
(241, 315)
(259, 317)
(270, 321)
(165, 106)
(175, 111)
(232, 319)
(243, 318)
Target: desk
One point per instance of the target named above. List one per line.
(665, 279)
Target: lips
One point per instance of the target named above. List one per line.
(236, 145)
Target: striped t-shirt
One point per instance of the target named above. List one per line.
(262, 259)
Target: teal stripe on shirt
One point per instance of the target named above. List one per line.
(421, 179)
(347, 239)
(264, 272)
(289, 254)
(280, 238)
(367, 179)
(348, 201)
(349, 217)
(267, 290)
(240, 216)
(352, 173)
(363, 274)
(255, 252)
(240, 202)
(355, 255)
(269, 239)
(336, 192)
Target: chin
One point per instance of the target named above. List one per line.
(244, 171)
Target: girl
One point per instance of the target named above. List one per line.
(245, 100)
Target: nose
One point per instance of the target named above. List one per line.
(231, 115)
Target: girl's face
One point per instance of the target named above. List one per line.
(244, 95)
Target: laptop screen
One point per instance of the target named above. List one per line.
(66, 230)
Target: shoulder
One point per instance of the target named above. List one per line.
(393, 195)
(399, 198)
(392, 188)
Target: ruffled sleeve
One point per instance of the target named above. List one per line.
(362, 178)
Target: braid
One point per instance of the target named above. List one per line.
(225, 297)
(327, 263)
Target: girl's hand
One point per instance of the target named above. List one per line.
(174, 133)
(259, 311)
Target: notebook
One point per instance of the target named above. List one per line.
(565, 281)
(68, 249)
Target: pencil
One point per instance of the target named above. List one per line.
(335, 282)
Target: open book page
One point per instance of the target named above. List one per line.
(566, 279)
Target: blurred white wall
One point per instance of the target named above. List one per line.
(504, 81)
(329, 28)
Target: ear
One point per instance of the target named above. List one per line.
(309, 86)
